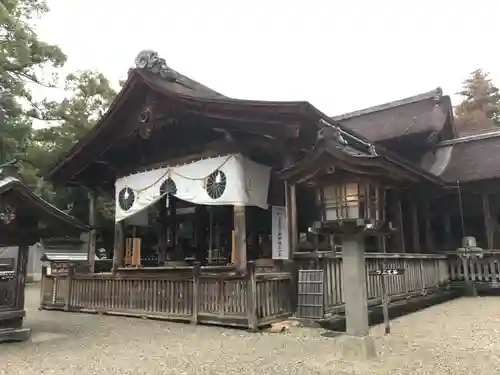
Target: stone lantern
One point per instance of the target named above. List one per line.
(353, 208)
(469, 251)
(350, 207)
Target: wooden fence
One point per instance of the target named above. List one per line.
(424, 273)
(192, 294)
(485, 272)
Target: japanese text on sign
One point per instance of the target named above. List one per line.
(280, 243)
(386, 272)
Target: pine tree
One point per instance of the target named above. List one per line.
(480, 109)
(22, 57)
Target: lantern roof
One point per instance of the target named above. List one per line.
(18, 204)
(332, 150)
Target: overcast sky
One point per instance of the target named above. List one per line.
(338, 55)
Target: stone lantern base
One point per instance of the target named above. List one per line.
(11, 326)
(358, 348)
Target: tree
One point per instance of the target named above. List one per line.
(24, 58)
(480, 109)
(27, 61)
(14, 133)
(89, 94)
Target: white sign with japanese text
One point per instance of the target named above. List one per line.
(281, 248)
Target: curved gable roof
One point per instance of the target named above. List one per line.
(424, 113)
(471, 158)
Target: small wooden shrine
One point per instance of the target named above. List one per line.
(24, 220)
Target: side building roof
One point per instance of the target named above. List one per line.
(466, 159)
(423, 113)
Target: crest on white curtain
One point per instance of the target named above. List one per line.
(227, 180)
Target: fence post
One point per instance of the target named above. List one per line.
(290, 267)
(196, 290)
(42, 286)
(252, 303)
(422, 276)
(54, 289)
(71, 272)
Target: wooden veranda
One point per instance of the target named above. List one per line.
(190, 294)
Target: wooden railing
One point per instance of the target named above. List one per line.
(424, 273)
(192, 294)
(483, 271)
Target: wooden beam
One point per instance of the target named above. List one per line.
(399, 223)
(294, 231)
(178, 252)
(119, 245)
(429, 241)
(397, 242)
(162, 228)
(93, 232)
(21, 272)
(291, 211)
(240, 237)
(415, 227)
(488, 222)
(448, 239)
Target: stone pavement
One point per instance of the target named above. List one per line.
(457, 337)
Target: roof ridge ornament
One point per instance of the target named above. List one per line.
(439, 94)
(150, 60)
(328, 130)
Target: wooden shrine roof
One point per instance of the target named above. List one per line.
(331, 149)
(424, 113)
(36, 207)
(297, 120)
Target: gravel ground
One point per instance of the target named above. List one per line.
(457, 337)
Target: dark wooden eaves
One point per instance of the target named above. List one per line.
(11, 184)
(330, 151)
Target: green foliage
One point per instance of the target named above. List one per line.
(89, 94)
(27, 61)
(23, 57)
(480, 109)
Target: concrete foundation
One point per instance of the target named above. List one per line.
(14, 334)
(358, 348)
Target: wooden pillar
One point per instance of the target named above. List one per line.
(162, 227)
(93, 233)
(400, 226)
(204, 231)
(240, 237)
(21, 271)
(291, 211)
(172, 225)
(292, 220)
(488, 222)
(119, 245)
(291, 215)
(448, 239)
(429, 241)
(415, 227)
